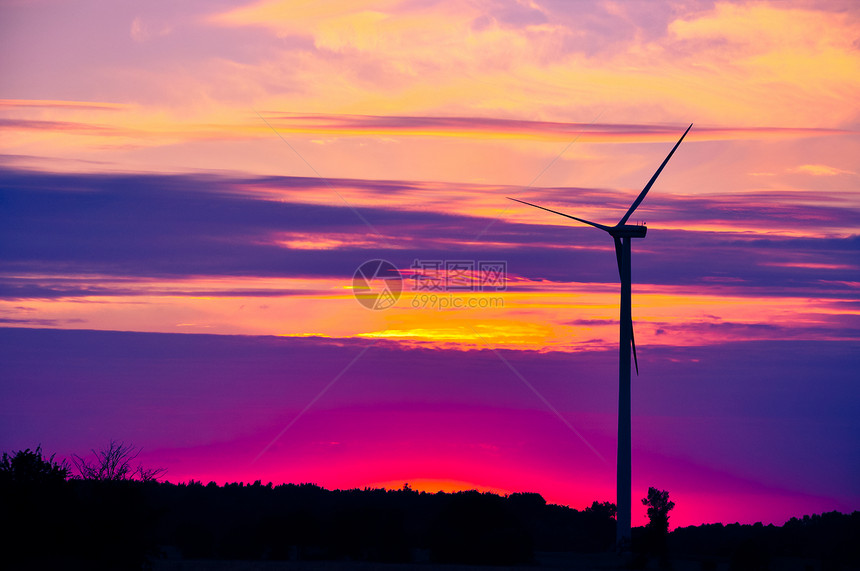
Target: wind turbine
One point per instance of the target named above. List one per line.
(622, 233)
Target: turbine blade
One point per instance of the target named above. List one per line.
(595, 224)
(648, 186)
(633, 344)
(618, 253)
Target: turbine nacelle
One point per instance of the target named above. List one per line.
(628, 231)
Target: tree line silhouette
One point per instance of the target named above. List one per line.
(111, 514)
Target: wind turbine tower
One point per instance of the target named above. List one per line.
(622, 233)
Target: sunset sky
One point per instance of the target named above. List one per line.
(187, 189)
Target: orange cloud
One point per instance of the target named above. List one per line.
(794, 65)
(751, 64)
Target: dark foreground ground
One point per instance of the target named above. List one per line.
(54, 522)
(543, 562)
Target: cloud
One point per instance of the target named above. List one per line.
(58, 126)
(836, 326)
(788, 56)
(365, 125)
(35, 322)
(157, 252)
(745, 64)
(138, 131)
(59, 287)
(142, 31)
(737, 64)
(55, 104)
(819, 170)
(184, 225)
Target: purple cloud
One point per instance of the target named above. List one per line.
(176, 226)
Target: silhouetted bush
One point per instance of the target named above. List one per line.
(30, 467)
(35, 502)
(54, 522)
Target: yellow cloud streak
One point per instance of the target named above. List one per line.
(565, 317)
(149, 127)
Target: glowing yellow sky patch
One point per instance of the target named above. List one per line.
(469, 335)
(820, 170)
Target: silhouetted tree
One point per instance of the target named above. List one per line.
(114, 463)
(657, 530)
(659, 507)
